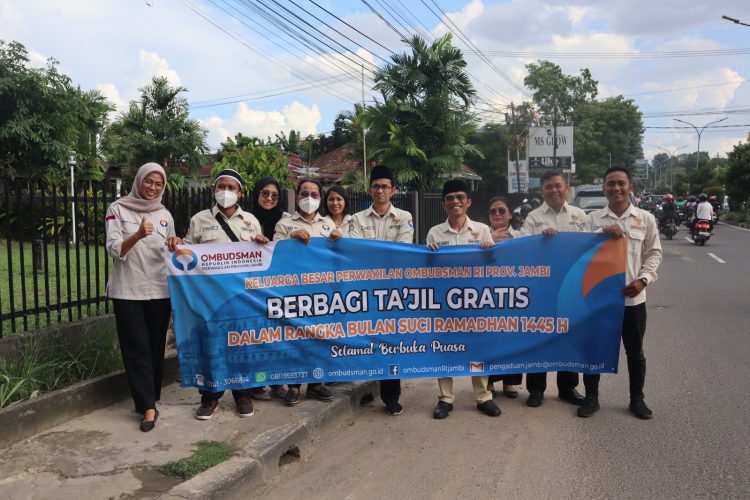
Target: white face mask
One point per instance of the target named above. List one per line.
(309, 205)
(225, 198)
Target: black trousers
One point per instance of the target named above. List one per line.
(390, 390)
(537, 382)
(142, 332)
(633, 331)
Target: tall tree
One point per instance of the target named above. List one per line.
(157, 128)
(493, 140)
(556, 93)
(738, 175)
(44, 118)
(256, 160)
(420, 128)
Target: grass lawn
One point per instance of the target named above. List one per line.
(50, 294)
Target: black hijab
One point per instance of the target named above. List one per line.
(267, 218)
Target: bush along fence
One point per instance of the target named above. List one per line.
(52, 244)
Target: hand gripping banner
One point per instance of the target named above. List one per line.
(248, 315)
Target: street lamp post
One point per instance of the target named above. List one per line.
(72, 164)
(699, 132)
(734, 20)
(671, 163)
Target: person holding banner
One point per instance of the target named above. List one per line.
(138, 227)
(266, 209)
(304, 224)
(384, 222)
(337, 208)
(620, 219)
(460, 230)
(553, 216)
(500, 215)
(225, 222)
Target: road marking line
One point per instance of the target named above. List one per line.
(689, 240)
(717, 259)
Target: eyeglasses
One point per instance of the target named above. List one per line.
(309, 194)
(380, 187)
(151, 183)
(274, 195)
(451, 197)
(498, 211)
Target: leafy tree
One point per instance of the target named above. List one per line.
(493, 141)
(255, 161)
(612, 126)
(157, 128)
(738, 174)
(421, 127)
(290, 144)
(44, 118)
(556, 93)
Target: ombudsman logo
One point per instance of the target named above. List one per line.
(318, 373)
(184, 259)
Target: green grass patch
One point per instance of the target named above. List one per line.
(46, 362)
(31, 289)
(208, 454)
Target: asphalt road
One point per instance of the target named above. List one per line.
(697, 446)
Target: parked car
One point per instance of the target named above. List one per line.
(590, 197)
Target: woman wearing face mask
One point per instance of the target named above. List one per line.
(138, 226)
(337, 208)
(304, 224)
(266, 196)
(225, 222)
(500, 215)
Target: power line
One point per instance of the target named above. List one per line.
(350, 26)
(374, 11)
(685, 88)
(621, 55)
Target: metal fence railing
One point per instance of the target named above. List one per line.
(57, 270)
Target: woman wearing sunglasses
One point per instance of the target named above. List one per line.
(304, 224)
(500, 215)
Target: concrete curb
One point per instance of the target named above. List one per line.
(23, 420)
(259, 459)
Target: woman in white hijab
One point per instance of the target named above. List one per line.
(138, 227)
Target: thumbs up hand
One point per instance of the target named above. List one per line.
(146, 228)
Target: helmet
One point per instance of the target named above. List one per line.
(703, 197)
(669, 197)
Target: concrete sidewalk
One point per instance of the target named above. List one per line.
(104, 455)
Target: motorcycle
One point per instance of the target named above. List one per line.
(701, 232)
(669, 228)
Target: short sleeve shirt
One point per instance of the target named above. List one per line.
(472, 233)
(569, 219)
(395, 225)
(319, 227)
(204, 228)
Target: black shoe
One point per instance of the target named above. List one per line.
(535, 399)
(442, 410)
(292, 397)
(260, 394)
(639, 409)
(278, 391)
(572, 396)
(320, 393)
(394, 409)
(589, 407)
(244, 406)
(207, 409)
(510, 394)
(489, 408)
(148, 425)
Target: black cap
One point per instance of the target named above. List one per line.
(228, 172)
(381, 172)
(454, 186)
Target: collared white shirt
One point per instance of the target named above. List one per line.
(644, 247)
(395, 225)
(319, 227)
(204, 228)
(140, 274)
(345, 226)
(704, 210)
(472, 233)
(569, 219)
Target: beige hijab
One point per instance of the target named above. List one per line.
(134, 200)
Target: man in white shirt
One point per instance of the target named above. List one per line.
(704, 210)
(460, 230)
(620, 219)
(384, 222)
(555, 215)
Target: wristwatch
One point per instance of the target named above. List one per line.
(644, 281)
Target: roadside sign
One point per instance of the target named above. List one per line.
(541, 148)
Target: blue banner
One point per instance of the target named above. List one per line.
(247, 315)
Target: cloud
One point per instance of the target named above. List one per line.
(154, 65)
(471, 11)
(262, 124)
(109, 90)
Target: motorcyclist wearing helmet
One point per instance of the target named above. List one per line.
(704, 210)
(668, 210)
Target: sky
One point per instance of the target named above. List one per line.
(247, 72)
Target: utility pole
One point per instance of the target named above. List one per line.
(515, 140)
(554, 139)
(364, 131)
